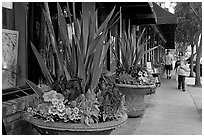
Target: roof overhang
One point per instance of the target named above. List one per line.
(155, 28)
(166, 23)
(138, 12)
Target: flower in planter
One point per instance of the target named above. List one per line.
(61, 107)
(75, 93)
(49, 96)
(130, 70)
(44, 87)
(43, 108)
(53, 110)
(105, 103)
(135, 76)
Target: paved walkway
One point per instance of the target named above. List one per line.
(169, 112)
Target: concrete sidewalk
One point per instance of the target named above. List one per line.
(196, 94)
(169, 112)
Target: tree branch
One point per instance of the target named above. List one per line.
(198, 17)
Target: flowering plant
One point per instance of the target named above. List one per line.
(77, 92)
(105, 104)
(135, 76)
(55, 107)
(130, 70)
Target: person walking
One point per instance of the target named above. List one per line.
(182, 71)
(168, 60)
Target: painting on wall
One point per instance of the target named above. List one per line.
(9, 57)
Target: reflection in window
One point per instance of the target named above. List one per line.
(9, 58)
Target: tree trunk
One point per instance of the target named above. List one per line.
(198, 57)
(191, 61)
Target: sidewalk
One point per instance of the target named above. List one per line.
(196, 94)
(169, 112)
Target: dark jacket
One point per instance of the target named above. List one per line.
(177, 63)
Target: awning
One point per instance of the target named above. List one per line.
(138, 12)
(158, 31)
(166, 23)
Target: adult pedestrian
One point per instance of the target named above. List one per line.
(168, 60)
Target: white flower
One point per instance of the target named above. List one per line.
(68, 111)
(53, 110)
(29, 109)
(44, 87)
(48, 96)
(145, 74)
(55, 102)
(76, 110)
(140, 73)
(60, 107)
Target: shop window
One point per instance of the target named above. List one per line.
(41, 39)
(26, 19)
(14, 50)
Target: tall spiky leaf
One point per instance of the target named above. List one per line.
(35, 88)
(91, 29)
(105, 23)
(43, 66)
(68, 77)
(32, 85)
(140, 39)
(98, 71)
(140, 52)
(54, 44)
(124, 58)
(114, 20)
(92, 47)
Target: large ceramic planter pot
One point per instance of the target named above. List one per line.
(134, 97)
(61, 128)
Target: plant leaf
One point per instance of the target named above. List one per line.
(68, 77)
(98, 70)
(35, 88)
(114, 20)
(123, 54)
(92, 47)
(140, 52)
(55, 48)
(43, 67)
(103, 27)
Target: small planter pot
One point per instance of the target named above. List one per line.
(134, 97)
(61, 128)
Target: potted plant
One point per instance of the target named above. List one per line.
(78, 99)
(131, 77)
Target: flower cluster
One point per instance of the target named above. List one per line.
(87, 108)
(136, 76)
(53, 107)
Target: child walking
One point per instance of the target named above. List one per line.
(182, 70)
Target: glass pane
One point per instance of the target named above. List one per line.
(9, 58)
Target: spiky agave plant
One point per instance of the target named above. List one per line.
(131, 51)
(131, 54)
(82, 60)
(79, 65)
